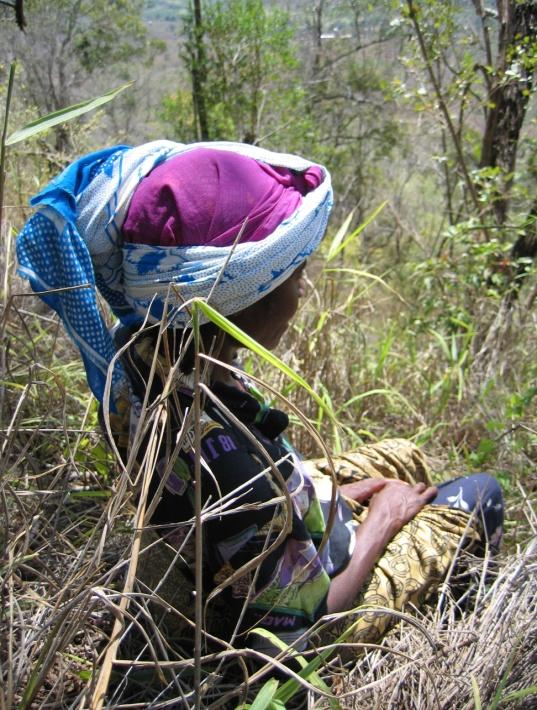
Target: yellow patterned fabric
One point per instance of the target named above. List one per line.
(417, 559)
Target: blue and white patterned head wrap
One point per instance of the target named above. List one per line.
(74, 243)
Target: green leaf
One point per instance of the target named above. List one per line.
(64, 114)
(243, 338)
(263, 699)
(292, 686)
(308, 672)
(90, 494)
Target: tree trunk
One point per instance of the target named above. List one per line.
(198, 75)
(508, 98)
(509, 95)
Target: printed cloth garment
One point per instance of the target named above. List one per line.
(285, 592)
(466, 513)
(245, 514)
(73, 245)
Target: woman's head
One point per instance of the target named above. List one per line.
(228, 208)
(205, 197)
(215, 198)
(231, 223)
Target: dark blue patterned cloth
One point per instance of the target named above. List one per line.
(481, 494)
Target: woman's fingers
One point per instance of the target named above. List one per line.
(430, 492)
(363, 490)
(415, 496)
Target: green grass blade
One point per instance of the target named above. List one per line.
(7, 106)
(476, 694)
(313, 677)
(244, 339)
(64, 114)
(264, 698)
(497, 699)
(519, 694)
(388, 393)
(308, 672)
(366, 275)
(442, 342)
(333, 252)
(339, 237)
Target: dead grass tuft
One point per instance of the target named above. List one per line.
(485, 656)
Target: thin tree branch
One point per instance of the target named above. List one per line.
(412, 11)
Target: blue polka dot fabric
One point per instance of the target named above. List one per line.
(72, 247)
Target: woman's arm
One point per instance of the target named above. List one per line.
(390, 508)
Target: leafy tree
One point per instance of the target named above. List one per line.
(489, 69)
(347, 67)
(241, 61)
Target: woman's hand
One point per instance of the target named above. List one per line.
(391, 506)
(397, 503)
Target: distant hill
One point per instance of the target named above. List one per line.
(164, 10)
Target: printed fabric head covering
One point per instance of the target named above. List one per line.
(103, 223)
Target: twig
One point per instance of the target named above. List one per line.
(413, 14)
(4, 137)
(198, 601)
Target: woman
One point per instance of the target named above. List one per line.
(154, 227)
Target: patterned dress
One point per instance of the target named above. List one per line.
(268, 558)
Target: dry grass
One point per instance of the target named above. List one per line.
(487, 654)
(69, 536)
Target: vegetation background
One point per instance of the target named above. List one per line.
(420, 321)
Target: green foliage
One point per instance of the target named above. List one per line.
(72, 50)
(164, 10)
(249, 62)
(274, 696)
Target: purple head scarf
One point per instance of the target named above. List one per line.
(202, 197)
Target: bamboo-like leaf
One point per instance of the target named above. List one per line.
(64, 114)
(269, 357)
(333, 252)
